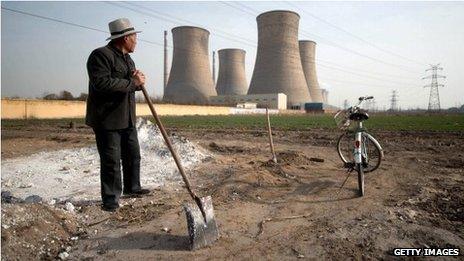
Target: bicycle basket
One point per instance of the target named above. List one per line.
(342, 119)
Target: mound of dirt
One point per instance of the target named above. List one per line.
(292, 158)
(37, 231)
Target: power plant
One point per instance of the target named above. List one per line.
(278, 67)
(190, 79)
(308, 55)
(231, 78)
(284, 75)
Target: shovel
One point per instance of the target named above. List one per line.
(201, 223)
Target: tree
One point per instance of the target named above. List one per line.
(65, 95)
(82, 97)
(50, 96)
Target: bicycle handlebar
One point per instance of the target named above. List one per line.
(361, 99)
(366, 98)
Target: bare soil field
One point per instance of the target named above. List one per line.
(289, 210)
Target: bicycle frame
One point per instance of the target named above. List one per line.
(358, 147)
(359, 151)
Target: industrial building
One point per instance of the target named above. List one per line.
(272, 101)
(190, 79)
(278, 67)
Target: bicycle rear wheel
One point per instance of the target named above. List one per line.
(345, 145)
(360, 169)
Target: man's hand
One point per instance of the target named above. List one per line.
(139, 79)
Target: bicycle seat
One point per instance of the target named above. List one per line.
(359, 116)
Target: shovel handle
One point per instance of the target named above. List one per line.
(169, 144)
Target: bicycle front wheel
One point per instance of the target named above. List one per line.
(360, 169)
(373, 152)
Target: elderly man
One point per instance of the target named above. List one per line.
(113, 81)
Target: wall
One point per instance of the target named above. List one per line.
(44, 109)
(272, 100)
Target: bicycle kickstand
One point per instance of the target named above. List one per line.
(349, 170)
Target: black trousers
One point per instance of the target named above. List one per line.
(115, 146)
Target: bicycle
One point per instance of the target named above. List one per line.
(366, 153)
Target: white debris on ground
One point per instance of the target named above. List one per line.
(74, 174)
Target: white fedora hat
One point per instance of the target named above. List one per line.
(120, 27)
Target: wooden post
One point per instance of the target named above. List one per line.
(274, 158)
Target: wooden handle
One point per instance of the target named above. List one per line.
(168, 143)
(274, 158)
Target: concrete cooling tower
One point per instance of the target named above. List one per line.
(190, 80)
(308, 56)
(231, 78)
(278, 66)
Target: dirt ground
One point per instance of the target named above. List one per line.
(293, 209)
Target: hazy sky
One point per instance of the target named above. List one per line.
(362, 47)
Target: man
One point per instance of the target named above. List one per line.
(113, 81)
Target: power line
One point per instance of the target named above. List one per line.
(191, 22)
(170, 20)
(151, 42)
(246, 7)
(69, 23)
(187, 21)
(238, 8)
(362, 84)
(330, 43)
(357, 37)
(360, 74)
(250, 42)
(368, 72)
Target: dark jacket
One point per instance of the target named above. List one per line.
(111, 101)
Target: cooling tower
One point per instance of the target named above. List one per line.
(190, 80)
(231, 79)
(308, 54)
(278, 65)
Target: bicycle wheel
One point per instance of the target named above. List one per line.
(360, 169)
(373, 153)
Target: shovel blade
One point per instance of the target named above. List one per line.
(201, 233)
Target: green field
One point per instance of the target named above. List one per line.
(301, 122)
(434, 122)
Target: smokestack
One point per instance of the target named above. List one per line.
(165, 74)
(308, 55)
(190, 80)
(214, 67)
(231, 77)
(325, 95)
(278, 66)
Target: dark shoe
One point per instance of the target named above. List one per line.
(139, 193)
(111, 208)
